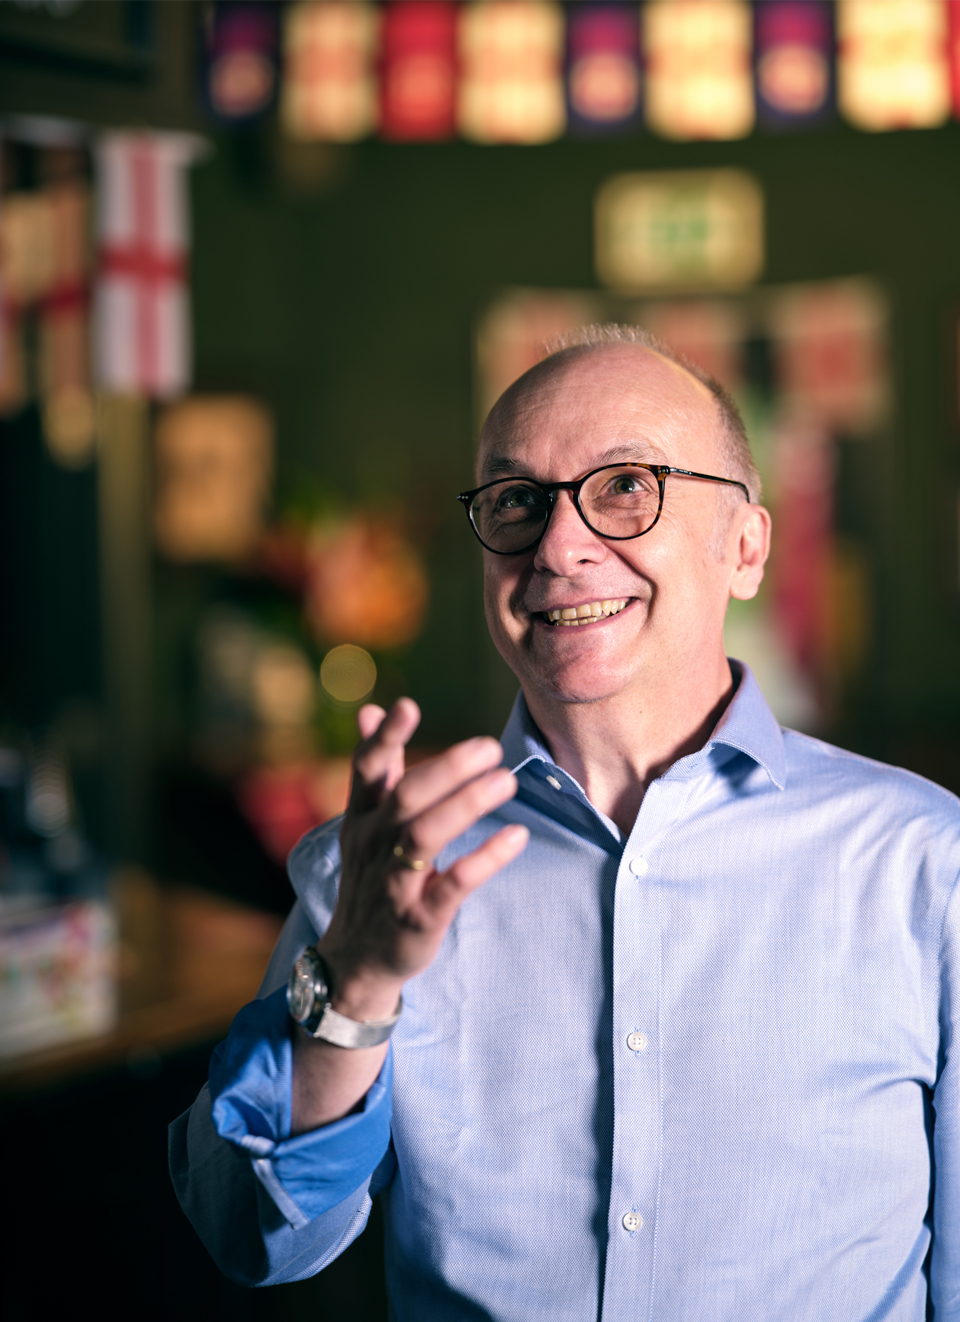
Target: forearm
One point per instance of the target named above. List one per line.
(329, 1081)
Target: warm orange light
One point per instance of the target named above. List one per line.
(699, 80)
(366, 584)
(511, 83)
(893, 69)
(329, 88)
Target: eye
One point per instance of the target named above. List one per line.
(636, 483)
(517, 498)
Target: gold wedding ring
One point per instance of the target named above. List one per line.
(414, 864)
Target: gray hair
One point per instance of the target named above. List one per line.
(734, 444)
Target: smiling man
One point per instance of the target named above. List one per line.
(671, 990)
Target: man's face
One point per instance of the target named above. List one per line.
(621, 402)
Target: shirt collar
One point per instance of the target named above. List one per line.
(748, 726)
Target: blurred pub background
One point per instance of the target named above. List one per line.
(263, 268)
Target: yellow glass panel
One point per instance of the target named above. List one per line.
(511, 79)
(329, 87)
(699, 79)
(893, 70)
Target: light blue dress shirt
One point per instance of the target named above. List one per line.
(700, 1074)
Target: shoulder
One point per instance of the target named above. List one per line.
(814, 766)
(314, 870)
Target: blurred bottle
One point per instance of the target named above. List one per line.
(58, 934)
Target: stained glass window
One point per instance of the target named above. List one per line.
(240, 60)
(511, 80)
(603, 67)
(892, 63)
(512, 333)
(794, 62)
(831, 353)
(699, 77)
(418, 78)
(214, 458)
(953, 29)
(679, 229)
(329, 86)
(710, 332)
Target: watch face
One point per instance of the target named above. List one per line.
(300, 993)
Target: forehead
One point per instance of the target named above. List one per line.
(585, 408)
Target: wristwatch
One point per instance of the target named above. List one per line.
(308, 1000)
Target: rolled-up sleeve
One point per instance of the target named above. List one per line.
(270, 1207)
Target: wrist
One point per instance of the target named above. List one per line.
(310, 1002)
(359, 992)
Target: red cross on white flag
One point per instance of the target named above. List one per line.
(142, 305)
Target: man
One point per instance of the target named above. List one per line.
(678, 986)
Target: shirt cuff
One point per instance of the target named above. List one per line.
(251, 1078)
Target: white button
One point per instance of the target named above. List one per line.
(639, 866)
(552, 780)
(636, 1041)
(632, 1221)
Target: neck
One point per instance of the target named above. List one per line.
(614, 747)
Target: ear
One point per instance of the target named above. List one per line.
(750, 538)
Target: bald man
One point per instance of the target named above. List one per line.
(645, 1011)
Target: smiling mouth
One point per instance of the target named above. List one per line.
(588, 613)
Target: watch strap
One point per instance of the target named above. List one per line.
(343, 1032)
(328, 1025)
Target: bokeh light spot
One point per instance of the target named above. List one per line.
(348, 673)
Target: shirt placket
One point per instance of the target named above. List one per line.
(632, 1244)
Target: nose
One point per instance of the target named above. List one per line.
(567, 542)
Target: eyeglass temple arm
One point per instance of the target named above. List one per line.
(660, 470)
(665, 470)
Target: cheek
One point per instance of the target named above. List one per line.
(678, 568)
(496, 597)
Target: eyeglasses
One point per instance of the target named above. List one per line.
(618, 501)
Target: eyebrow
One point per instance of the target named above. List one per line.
(505, 465)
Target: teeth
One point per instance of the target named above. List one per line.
(586, 614)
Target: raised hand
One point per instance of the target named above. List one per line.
(394, 907)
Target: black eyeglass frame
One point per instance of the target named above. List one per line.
(660, 471)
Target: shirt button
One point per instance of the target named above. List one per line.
(552, 780)
(636, 1041)
(632, 1221)
(639, 866)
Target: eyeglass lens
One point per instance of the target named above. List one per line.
(617, 502)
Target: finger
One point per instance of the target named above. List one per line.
(378, 762)
(369, 719)
(445, 895)
(430, 782)
(430, 832)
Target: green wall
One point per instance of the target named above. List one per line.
(352, 311)
(350, 308)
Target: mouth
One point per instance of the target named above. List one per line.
(589, 613)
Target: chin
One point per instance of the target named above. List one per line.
(574, 683)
